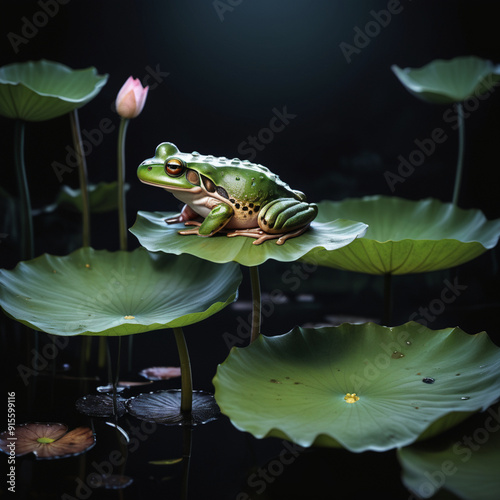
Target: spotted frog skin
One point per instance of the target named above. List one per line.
(234, 197)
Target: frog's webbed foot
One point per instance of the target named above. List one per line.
(261, 236)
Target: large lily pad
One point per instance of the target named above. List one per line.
(41, 90)
(364, 387)
(156, 235)
(96, 292)
(448, 81)
(466, 464)
(406, 236)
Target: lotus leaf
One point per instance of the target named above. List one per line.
(156, 235)
(406, 236)
(363, 387)
(448, 81)
(96, 292)
(466, 464)
(41, 90)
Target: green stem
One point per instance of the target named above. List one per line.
(256, 302)
(187, 431)
(460, 159)
(186, 380)
(387, 299)
(122, 217)
(27, 248)
(82, 174)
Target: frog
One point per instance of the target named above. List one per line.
(228, 196)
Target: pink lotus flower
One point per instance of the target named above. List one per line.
(131, 98)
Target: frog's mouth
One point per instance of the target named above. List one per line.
(193, 189)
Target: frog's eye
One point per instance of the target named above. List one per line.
(174, 167)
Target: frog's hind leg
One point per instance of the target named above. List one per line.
(261, 236)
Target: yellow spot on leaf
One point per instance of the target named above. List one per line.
(351, 398)
(45, 440)
(129, 317)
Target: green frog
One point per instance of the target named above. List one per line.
(230, 196)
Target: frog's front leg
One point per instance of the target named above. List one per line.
(219, 216)
(187, 214)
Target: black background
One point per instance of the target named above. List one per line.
(221, 75)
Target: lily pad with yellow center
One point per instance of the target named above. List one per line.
(41, 90)
(362, 387)
(406, 236)
(96, 292)
(156, 235)
(46, 440)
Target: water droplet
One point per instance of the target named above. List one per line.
(465, 398)
(195, 153)
(246, 162)
(428, 380)
(237, 178)
(236, 161)
(408, 342)
(397, 355)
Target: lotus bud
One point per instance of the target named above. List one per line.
(131, 98)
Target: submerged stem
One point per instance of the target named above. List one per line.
(256, 302)
(387, 299)
(186, 380)
(460, 159)
(27, 247)
(122, 217)
(82, 175)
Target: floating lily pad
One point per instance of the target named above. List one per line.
(41, 90)
(406, 236)
(100, 405)
(96, 292)
(363, 387)
(156, 235)
(46, 440)
(161, 372)
(164, 407)
(448, 81)
(103, 197)
(466, 464)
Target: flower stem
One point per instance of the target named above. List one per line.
(27, 248)
(122, 216)
(460, 159)
(186, 380)
(82, 174)
(256, 302)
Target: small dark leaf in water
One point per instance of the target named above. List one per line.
(99, 405)
(110, 482)
(428, 380)
(164, 407)
(161, 372)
